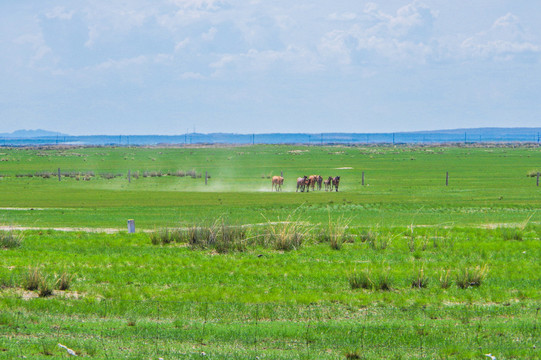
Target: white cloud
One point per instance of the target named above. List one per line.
(396, 38)
(505, 39)
(37, 43)
(182, 44)
(199, 4)
(344, 16)
(137, 61)
(59, 12)
(191, 75)
(296, 59)
(209, 35)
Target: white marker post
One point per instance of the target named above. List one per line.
(131, 226)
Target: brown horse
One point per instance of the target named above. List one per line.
(312, 181)
(277, 182)
(301, 183)
(336, 182)
(328, 184)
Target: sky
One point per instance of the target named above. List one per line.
(139, 67)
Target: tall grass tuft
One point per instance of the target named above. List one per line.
(379, 242)
(367, 236)
(286, 235)
(420, 280)
(10, 240)
(64, 281)
(32, 279)
(471, 277)
(335, 232)
(45, 288)
(511, 233)
(381, 280)
(445, 279)
(164, 236)
(219, 235)
(361, 280)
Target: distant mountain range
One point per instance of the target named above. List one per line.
(475, 135)
(29, 134)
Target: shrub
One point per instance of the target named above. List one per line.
(471, 277)
(10, 240)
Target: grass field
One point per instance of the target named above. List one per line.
(402, 267)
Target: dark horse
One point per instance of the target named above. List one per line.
(336, 182)
(302, 183)
(319, 181)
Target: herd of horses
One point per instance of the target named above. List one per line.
(308, 182)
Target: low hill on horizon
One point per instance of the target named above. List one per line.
(28, 134)
(473, 135)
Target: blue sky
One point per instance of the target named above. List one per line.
(167, 66)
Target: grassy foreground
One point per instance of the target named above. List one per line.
(131, 299)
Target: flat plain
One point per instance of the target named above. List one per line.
(402, 266)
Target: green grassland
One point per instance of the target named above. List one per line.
(132, 297)
(403, 185)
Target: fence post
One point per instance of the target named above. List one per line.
(206, 177)
(537, 178)
(281, 173)
(129, 175)
(363, 179)
(447, 178)
(131, 226)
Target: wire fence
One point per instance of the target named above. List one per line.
(468, 136)
(168, 329)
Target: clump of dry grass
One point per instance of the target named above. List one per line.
(45, 288)
(64, 281)
(32, 279)
(471, 277)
